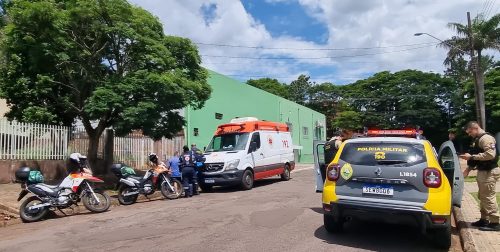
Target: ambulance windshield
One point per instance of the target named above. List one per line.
(228, 142)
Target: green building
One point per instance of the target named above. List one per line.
(231, 98)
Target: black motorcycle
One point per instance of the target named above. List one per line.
(130, 185)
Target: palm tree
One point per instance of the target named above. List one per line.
(485, 35)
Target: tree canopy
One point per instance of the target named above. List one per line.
(105, 63)
(272, 86)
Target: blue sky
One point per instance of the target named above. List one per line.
(287, 19)
(337, 41)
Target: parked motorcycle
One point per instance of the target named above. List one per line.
(74, 188)
(130, 185)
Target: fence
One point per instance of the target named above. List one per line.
(30, 141)
(24, 141)
(79, 142)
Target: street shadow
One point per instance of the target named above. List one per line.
(317, 209)
(234, 188)
(378, 237)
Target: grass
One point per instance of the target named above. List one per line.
(474, 194)
(470, 179)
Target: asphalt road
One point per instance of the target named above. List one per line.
(274, 216)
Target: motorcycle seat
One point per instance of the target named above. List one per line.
(138, 178)
(44, 189)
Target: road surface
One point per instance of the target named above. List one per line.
(274, 216)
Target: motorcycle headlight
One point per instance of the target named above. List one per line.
(232, 165)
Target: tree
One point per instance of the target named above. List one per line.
(104, 63)
(272, 86)
(485, 34)
(348, 120)
(299, 89)
(325, 98)
(492, 96)
(407, 98)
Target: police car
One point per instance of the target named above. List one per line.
(394, 176)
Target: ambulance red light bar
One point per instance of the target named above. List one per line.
(393, 133)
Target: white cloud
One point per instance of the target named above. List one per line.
(350, 24)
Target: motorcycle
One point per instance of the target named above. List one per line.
(130, 186)
(74, 188)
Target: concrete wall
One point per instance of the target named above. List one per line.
(51, 169)
(235, 99)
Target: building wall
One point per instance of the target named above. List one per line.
(232, 98)
(3, 107)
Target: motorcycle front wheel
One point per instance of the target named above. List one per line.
(96, 206)
(123, 198)
(168, 192)
(35, 214)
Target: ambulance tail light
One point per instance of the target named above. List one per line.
(432, 177)
(333, 172)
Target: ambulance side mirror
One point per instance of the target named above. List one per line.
(253, 147)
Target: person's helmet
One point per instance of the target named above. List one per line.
(153, 157)
(78, 159)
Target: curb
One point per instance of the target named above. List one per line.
(8, 209)
(468, 244)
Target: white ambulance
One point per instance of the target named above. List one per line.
(245, 150)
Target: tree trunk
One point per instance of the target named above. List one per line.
(480, 92)
(92, 152)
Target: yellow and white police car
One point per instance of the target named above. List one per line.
(394, 176)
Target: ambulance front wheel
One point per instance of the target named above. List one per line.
(247, 180)
(206, 188)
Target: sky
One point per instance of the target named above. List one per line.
(336, 41)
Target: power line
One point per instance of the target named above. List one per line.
(313, 58)
(312, 49)
(344, 62)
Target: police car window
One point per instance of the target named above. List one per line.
(386, 154)
(228, 142)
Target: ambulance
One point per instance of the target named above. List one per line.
(245, 150)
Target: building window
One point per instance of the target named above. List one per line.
(305, 132)
(218, 116)
(195, 132)
(290, 128)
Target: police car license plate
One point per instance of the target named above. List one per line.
(209, 181)
(380, 190)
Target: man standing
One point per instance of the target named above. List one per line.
(174, 165)
(484, 158)
(187, 165)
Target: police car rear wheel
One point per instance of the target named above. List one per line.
(332, 225)
(441, 237)
(247, 180)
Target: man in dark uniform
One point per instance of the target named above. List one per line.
(484, 158)
(187, 166)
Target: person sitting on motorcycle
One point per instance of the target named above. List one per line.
(78, 163)
(158, 165)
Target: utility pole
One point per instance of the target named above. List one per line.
(478, 79)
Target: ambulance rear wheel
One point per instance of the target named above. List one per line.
(285, 176)
(247, 180)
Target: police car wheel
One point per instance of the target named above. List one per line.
(247, 180)
(441, 237)
(285, 176)
(332, 225)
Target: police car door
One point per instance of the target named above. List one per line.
(319, 163)
(448, 159)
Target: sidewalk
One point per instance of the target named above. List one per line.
(484, 241)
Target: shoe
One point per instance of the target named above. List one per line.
(480, 223)
(491, 227)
